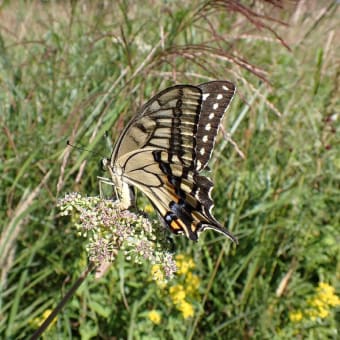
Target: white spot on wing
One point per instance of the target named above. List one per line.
(205, 139)
(208, 127)
(215, 106)
(209, 192)
(211, 116)
(205, 96)
(198, 192)
(202, 151)
(199, 164)
(225, 88)
(219, 96)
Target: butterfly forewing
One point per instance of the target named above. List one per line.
(165, 146)
(168, 121)
(216, 97)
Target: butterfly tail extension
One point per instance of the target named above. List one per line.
(201, 190)
(218, 228)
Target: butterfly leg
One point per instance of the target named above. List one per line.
(102, 181)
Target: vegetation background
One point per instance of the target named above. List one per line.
(76, 69)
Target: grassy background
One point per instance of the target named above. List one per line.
(74, 70)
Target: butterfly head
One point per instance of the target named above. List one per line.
(104, 163)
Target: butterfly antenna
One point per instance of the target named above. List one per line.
(82, 148)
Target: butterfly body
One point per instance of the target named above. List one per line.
(163, 150)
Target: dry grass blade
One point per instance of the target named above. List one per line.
(12, 230)
(255, 18)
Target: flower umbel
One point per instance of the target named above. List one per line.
(110, 230)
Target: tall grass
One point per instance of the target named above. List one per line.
(74, 70)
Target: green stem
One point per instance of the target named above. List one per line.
(63, 302)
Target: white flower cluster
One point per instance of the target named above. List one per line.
(110, 230)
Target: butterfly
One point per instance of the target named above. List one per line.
(164, 149)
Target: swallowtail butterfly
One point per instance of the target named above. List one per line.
(163, 150)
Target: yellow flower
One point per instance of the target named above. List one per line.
(316, 302)
(186, 309)
(326, 293)
(180, 257)
(295, 316)
(158, 275)
(317, 309)
(192, 283)
(184, 264)
(313, 313)
(320, 303)
(155, 317)
(177, 294)
(148, 208)
(323, 312)
(325, 287)
(39, 320)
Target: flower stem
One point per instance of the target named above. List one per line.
(63, 302)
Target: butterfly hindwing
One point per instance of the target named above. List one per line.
(165, 146)
(181, 196)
